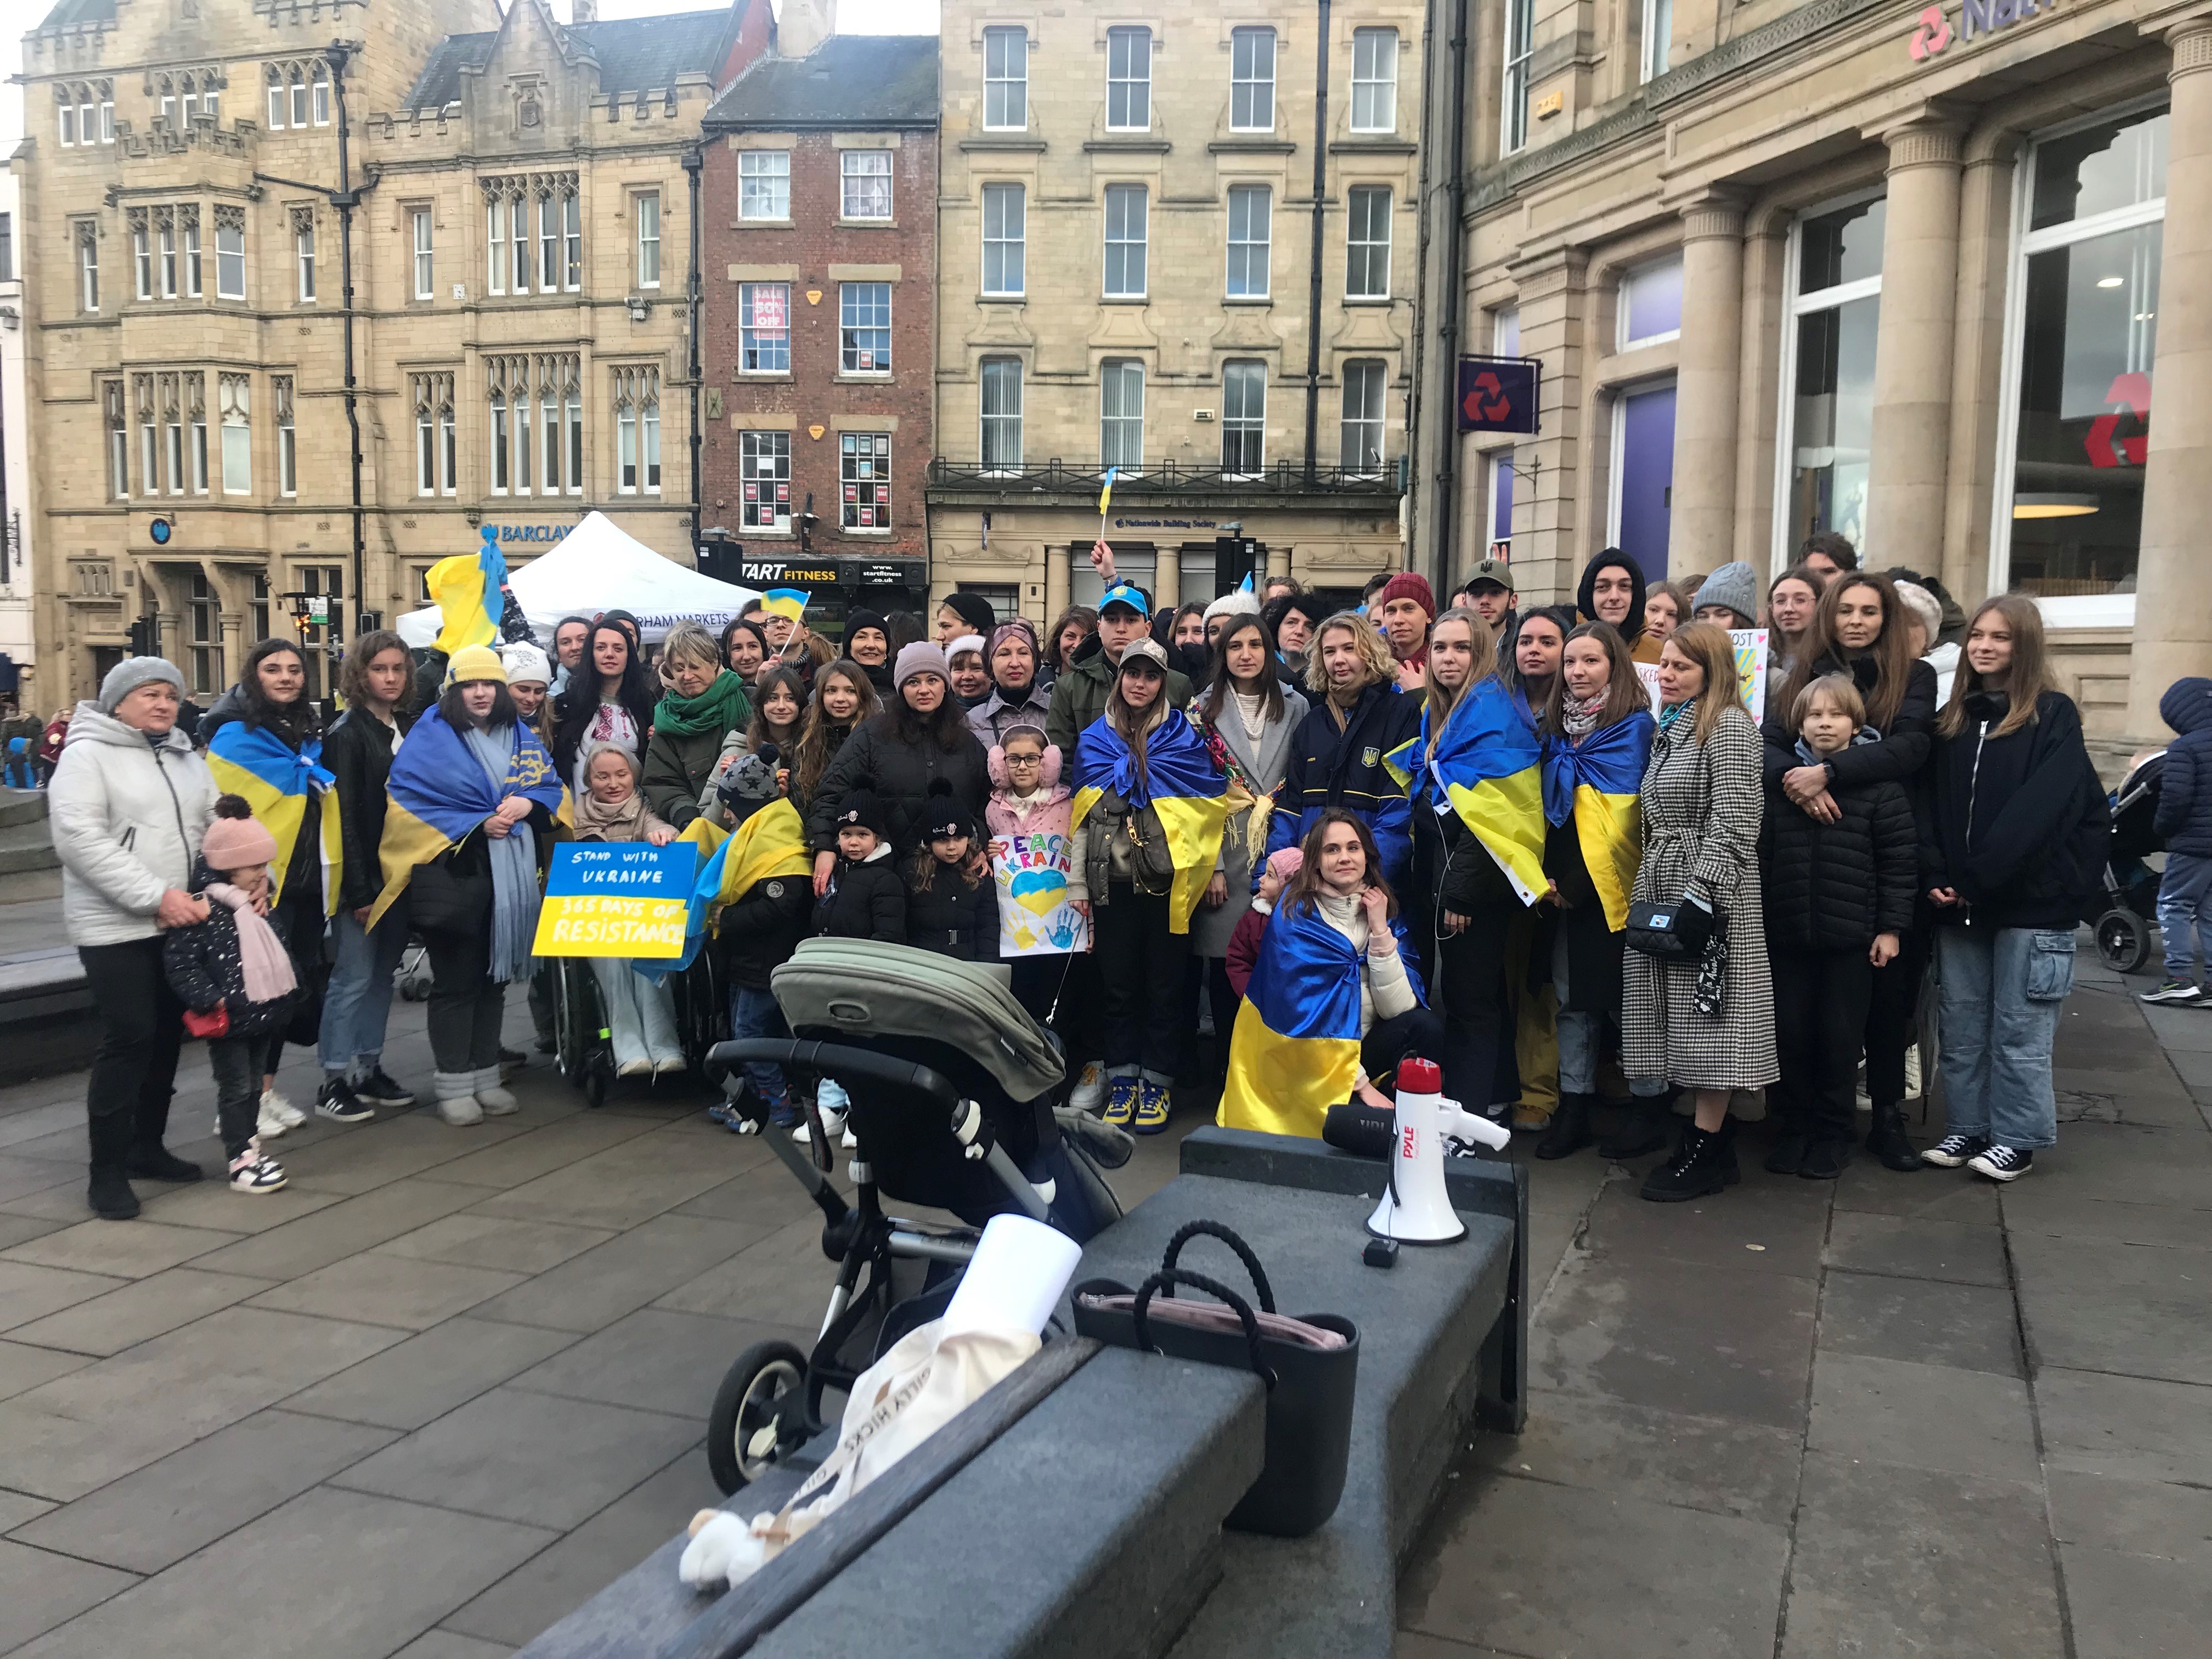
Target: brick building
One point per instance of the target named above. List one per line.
(818, 214)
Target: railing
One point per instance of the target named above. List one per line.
(1167, 478)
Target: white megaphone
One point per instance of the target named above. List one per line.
(1415, 1207)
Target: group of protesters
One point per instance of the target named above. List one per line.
(1549, 847)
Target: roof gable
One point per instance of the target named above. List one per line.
(849, 79)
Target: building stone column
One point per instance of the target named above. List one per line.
(2174, 573)
(1985, 194)
(1056, 577)
(1913, 348)
(1765, 255)
(1702, 533)
(1547, 555)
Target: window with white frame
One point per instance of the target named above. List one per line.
(204, 608)
(229, 252)
(1243, 418)
(865, 181)
(521, 405)
(864, 328)
(1658, 25)
(141, 254)
(298, 87)
(637, 430)
(559, 423)
(549, 242)
(196, 429)
(517, 224)
(85, 113)
(1252, 80)
(1006, 79)
(1649, 306)
(65, 116)
(303, 248)
(572, 232)
(649, 238)
(188, 221)
(107, 91)
(119, 440)
(497, 372)
(1367, 242)
(1827, 439)
(1501, 502)
(165, 231)
(1005, 227)
(1375, 79)
(1251, 208)
(145, 396)
(1121, 414)
(864, 480)
(1126, 217)
(1366, 383)
(288, 440)
(1520, 48)
(1001, 405)
(433, 434)
(1128, 80)
(764, 328)
(322, 95)
(764, 184)
(88, 265)
(233, 407)
(172, 432)
(424, 252)
(764, 475)
(495, 245)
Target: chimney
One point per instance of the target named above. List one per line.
(805, 25)
(583, 11)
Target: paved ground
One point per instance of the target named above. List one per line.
(448, 1384)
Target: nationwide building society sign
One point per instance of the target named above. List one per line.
(1933, 34)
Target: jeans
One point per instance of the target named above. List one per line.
(1141, 963)
(1998, 993)
(641, 1014)
(134, 1070)
(2184, 914)
(358, 1001)
(466, 1003)
(237, 1063)
(1820, 1000)
(1584, 1038)
(756, 1014)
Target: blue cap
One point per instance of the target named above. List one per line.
(1122, 593)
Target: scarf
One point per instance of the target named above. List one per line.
(513, 867)
(628, 819)
(263, 962)
(1248, 707)
(720, 708)
(1671, 715)
(1578, 715)
(439, 794)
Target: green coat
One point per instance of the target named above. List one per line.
(676, 772)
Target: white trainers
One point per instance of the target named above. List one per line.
(266, 1122)
(1912, 1080)
(254, 1171)
(273, 1101)
(833, 1125)
(1090, 1093)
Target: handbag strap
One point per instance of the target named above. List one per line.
(1191, 1229)
(1214, 1287)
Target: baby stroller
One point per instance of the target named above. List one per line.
(2126, 927)
(953, 1089)
(583, 1048)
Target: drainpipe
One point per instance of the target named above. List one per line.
(1447, 502)
(693, 161)
(344, 198)
(1313, 282)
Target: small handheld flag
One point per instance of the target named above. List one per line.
(787, 602)
(1106, 495)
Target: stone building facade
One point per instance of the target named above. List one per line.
(194, 463)
(1132, 206)
(1852, 266)
(819, 225)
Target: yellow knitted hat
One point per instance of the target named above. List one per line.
(475, 662)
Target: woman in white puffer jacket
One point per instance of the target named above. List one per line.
(129, 801)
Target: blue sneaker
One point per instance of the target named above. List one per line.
(1151, 1114)
(1121, 1094)
(783, 1115)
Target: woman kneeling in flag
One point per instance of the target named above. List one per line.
(1150, 805)
(1334, 1003)
(472, 789)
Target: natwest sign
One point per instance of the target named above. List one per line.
(1932, 32)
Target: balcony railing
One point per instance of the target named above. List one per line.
(1167, 478)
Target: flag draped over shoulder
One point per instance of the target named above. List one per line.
(465, 590)
(1295, 1052)
(1597, 781)
(1487, 765)
(439, 793)
(275, 780)
(771, 842)
(1181, 785)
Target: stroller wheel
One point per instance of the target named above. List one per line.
(2123, 940)
(595, 1087)
(758, 1414)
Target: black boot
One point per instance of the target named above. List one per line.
(111, 1197)
(1643, 1128)
(1888, 1141)
(1694, 1171)
(1569, 1130)
(1787, 1155)
(158, 1162)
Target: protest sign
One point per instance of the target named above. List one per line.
(1751, 665)
(1034, 916)
(624, 898)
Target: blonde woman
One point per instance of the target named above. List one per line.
(1359, 716)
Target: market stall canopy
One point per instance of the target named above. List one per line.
(598, 566)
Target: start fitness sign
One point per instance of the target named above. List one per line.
(621, 898)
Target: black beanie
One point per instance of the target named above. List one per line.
(973, 610)
(857, 619)
(862, 811)
(942, 815)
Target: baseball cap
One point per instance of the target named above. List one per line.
(1490, 570)
(1143, 650)
(1123, 593)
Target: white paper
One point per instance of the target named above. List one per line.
(1021, 1267)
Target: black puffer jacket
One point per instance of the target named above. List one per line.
(204, 968)
(953, 919)
(1897, 758)
(757, 934)
(865, 900)
(1834, 886)
(2016, 825)
(358, 752)
(875, 758)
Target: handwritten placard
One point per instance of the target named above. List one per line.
(1751, 665)
(1034, 916)
(616, 899)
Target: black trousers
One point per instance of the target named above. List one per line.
(1142, 966)
(1466, 986)
(466, 1003)
(237, 1064)
(1889, 1016)
(300, 924)
(1819, 1016)
(134, 1069)
(1416, 1031)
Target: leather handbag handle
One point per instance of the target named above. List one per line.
(1243, 1308)
(1191, 1229)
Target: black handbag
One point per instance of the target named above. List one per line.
(442, 899)
(1676, 931)
(1310, 1387)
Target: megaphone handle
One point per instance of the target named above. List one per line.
(1473, 1126)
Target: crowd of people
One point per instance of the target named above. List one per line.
(1549, 847)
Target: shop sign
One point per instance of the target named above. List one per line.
(1932, 32)
(1165, 524)
(865, 574)
(775, 572)
(1498, 394)
(508, 533)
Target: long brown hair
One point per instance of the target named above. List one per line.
(1891, 654)
(1708, 645)
(768, 679)
(1306, 887)
(1134, 727)
(1271, 688)
(1483, 646)
(2026, 680)
(1624, 692)
(1084, 617)
(820, 736)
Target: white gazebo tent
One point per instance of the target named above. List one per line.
(598, 566)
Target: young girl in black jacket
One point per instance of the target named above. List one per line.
(952, 902)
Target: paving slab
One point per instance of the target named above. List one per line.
(145, 1308)
(137, 1251)
(1931, 1193)
(379, 1290)
(541, 1150)
(157, 1517)
(2135, 1606)
(29, 1292)
(1895, 1560)
(654, 1358)
(19, 1177)
(2137, 1518)
(1972, 1326)
(778, 1280)
(488, 1241)
(313, 1241)
(1925, 1417)
(621, 1187)
(16, 1508)
(421, 1379)
(23, 1367)
(590, 1292)
(2135, 1165)
(340, 1575)
(411, 1142)
(1786, 1217)
(35, 1121)
(1913, 1247)
(213, 1204)
(2094, 1305)
(2131, 1427)
(2062, 1211)
(519, 1456)
(452, 1645)
(17, 1229)
(39, 1590)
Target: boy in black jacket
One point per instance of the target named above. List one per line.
(863, 898)
(756, 934)
(952, 904)
(1838, 895)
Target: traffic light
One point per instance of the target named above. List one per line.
(141, 637)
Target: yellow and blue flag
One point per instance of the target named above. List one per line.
(1106, 495)
(788, 602)
(770, 843)
(275, 780)
(465, 588)
(439, 792)
(1597, 781)
(1180, 784)
(1488, 767)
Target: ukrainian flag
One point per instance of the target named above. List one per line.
(789, 602)
(438, 793)
(1181, 785)
(771, 842)
(255, 762)
(1597, 781)
(1295, 1052)
(1488, 765)
(465, 588)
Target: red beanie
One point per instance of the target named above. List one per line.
(1406, 585)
